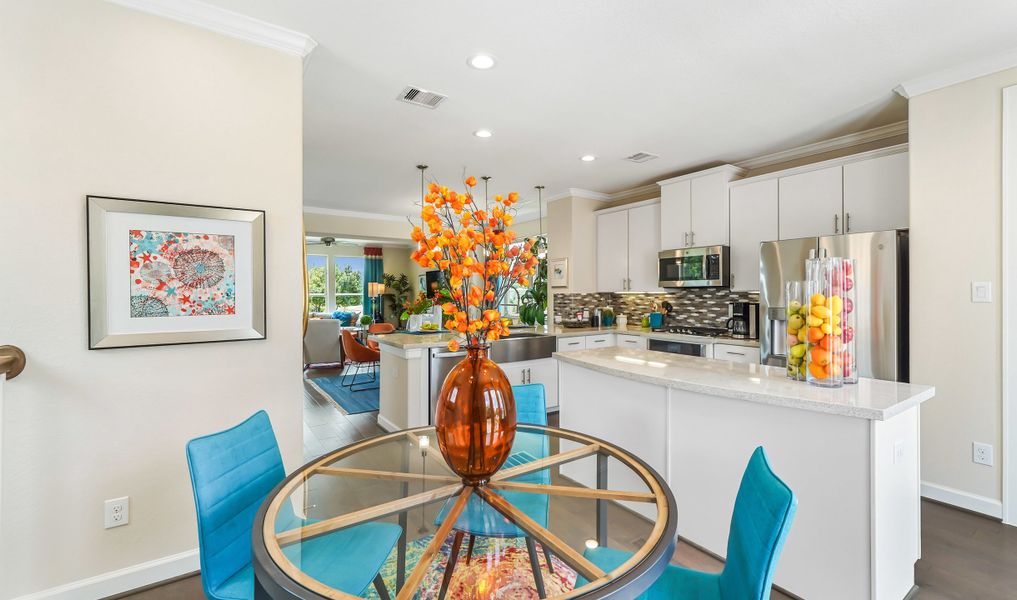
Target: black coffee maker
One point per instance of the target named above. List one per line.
(744, 320)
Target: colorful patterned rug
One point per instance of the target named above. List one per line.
(351, 403)
(499, 570)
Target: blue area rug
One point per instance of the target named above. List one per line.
(351, 403)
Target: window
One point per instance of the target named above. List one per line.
(349, 281)
(317, 279)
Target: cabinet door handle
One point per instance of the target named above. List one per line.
(692, 237)
(686, 238)
(529, 376)
(847, 222)
(836, 223)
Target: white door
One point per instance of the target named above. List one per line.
(811, 204)
(753, 220)
(675, 214)
(709, 210)
(545, 371)
(644, 243)
(876, 194)
(612, 251)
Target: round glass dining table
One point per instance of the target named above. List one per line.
(386, 517)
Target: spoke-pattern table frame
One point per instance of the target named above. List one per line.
(276, 577)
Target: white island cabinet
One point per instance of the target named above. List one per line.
(849, 454)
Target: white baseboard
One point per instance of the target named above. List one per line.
(387, 425)
(973, 502)
(122, 580)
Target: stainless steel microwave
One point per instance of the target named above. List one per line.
(706, 266)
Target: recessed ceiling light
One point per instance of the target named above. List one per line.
(482, 133)
(481, 61)
(587, 158)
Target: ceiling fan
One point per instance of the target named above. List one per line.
(322, 241)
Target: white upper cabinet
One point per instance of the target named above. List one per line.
(644, 244)
(876, 194)
(627, 244)
(811, 203)
(675, 214)
(693, 208)
(753, 220)
(709, 210)
(612, 251)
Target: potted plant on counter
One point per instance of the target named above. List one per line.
(414, 311)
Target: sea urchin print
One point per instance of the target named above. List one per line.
(144, 306)
(178, 274)
(198, 268)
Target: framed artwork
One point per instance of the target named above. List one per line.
(558, 272)
(166, 273)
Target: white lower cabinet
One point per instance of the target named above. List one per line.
(543, 371)
(603, 340)
(568, 344)
(733, 353)
(631, 341)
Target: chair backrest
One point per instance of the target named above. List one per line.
(763, 512)
(531, 406)
(380, 328)
(231, 473)
(356, 351)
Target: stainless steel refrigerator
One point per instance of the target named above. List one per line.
(881, 300)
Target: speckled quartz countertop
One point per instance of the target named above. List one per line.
(868, 399)
(407, 341)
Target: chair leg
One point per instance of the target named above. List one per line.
(379, 584)
(367, 384)
(547, 557)
(469, 548)
(538, 578)
(346, 373)
(452, 557)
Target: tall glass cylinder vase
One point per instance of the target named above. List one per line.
(824, 334)
(849, 318)
(797, 312)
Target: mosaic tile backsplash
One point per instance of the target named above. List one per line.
(705, 307)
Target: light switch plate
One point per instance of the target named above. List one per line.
(981, 291)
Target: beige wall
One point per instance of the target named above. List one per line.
(572, 234)
(361, 228)
(955, 239)
(100, 99)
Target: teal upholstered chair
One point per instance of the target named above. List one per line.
(763, 512)
(479, 519)
(231, 473)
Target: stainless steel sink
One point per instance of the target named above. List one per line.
(522, 346)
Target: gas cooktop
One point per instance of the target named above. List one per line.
(695, 330)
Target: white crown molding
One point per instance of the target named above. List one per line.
(958, 74)
(122, 580)
(734, 170)
(226, 22)
(354, 214)
(650, 188)
(837, 143)
(580, 193)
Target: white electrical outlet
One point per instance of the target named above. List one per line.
(981, 453)
(117, 512)
(981, 291)
(898, 451)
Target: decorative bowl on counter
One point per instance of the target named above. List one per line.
(575, 324)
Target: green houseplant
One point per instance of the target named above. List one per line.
(397, 290)
(533, 303)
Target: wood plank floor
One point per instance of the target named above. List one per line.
(964, 556)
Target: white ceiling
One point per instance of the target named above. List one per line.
(696, 82)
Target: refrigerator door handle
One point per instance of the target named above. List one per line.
(836, 223)
(847, 222)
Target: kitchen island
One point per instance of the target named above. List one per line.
(850, 455)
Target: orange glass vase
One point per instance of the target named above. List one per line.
(475, 420)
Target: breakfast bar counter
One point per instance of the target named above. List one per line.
(850, 454)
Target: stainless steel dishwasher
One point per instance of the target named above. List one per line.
(516, 348)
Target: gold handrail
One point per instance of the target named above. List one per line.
(12, 361)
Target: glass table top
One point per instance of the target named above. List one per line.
(390, 505)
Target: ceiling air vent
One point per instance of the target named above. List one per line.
(421, 97)
(641, 157)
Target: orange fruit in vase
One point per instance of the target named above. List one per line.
(817, 371)
(819, 356)
(817, 300)
(815, 334)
